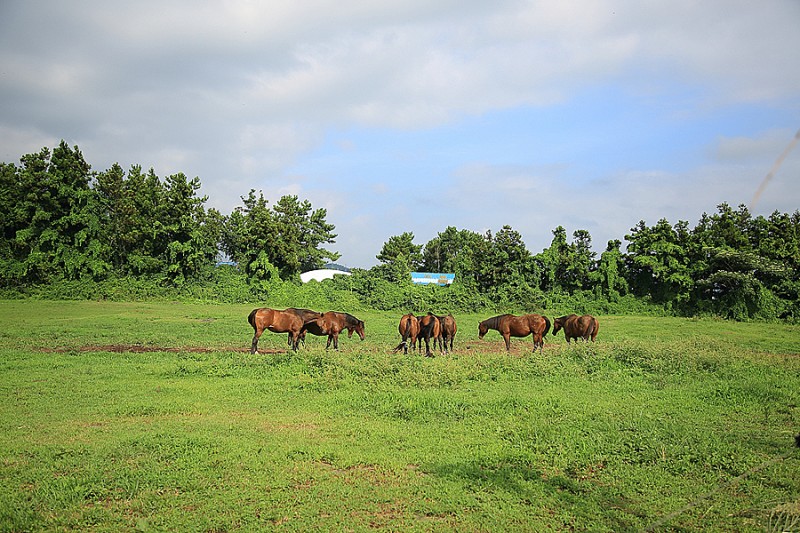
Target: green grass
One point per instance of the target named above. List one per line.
(660, 415)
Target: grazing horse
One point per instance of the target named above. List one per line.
(277, 322)
(429, 328)
(517, 326)
(448, 331)
(575, 327)
(333, 323)
(409, 329)
(305, 315)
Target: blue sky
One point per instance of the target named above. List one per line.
(415, 116)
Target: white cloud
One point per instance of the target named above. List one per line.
(238, 92)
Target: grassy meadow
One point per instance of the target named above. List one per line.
(155, 417)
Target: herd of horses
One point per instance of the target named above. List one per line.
(414, 329)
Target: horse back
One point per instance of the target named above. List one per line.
(429, 325)
(316, 326)
(538, 324)
(305, 314)
(448, 325)
(409, 325)
(584, 325)
(516, 326)
(260, 316)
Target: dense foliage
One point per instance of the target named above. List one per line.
(73, 232)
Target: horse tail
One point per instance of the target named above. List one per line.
(546, 326)
(252, 318)
(594, 329)
(406, 335)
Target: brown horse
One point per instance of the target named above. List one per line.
(584, 327)
(517, 326)
(429, 328)
(409, 329)
(277, 322)
(333, 323)
(305, 315)
(448, 331)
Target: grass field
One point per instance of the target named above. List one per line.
(154, 417)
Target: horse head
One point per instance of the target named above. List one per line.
(359, 329)
(482, 329)
(357, 326)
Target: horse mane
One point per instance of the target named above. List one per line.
(350, 320)
(493, 323)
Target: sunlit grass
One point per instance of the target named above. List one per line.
(608, 436)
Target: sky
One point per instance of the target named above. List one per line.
(412, 115)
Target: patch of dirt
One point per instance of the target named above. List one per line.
(135, 348)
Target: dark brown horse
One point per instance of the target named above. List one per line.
(409, 329)
(305, 315)
(447, 331)
(429, 328)
(517, 326)
(333, 323)
(577, 327)
(277, 322)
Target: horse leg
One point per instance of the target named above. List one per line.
(336, 340)
(254, 345)
(507, 338)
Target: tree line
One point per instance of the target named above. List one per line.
(63, 221)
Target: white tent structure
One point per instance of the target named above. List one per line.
(321, 274)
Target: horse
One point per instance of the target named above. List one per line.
(517, 326)
(276, 321)
(448, 331)
(575, 327)
(333, 323)
(409, 329)
(429, 328)
(305, 315)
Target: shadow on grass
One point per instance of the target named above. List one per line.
(575, 499)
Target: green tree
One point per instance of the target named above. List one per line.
(504, 260)
(582, 261)
(187, 245)
(564, 266)
(60, 236)
(14, 219)
(288, 237)
(609, 279)
(658, 262)
(300, 233)
(401, 252)
(454, 251)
